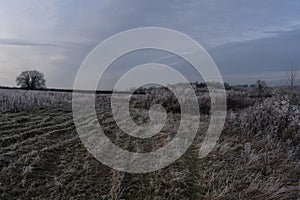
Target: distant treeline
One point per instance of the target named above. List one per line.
(140, 90)
(67, 90)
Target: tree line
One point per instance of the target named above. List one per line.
(33, 79)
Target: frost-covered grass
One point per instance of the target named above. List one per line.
(257, 155)
(276, 116)
(262, 142)
(236, 100)
(26, 100)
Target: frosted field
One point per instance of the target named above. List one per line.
(42, 157)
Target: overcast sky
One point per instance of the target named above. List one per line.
(247, 39)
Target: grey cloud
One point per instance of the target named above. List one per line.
(12, 42)
(61, 44)
(232, 31)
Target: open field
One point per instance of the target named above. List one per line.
(149, 100)
(42, 156)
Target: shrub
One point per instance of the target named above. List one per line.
(275, 116)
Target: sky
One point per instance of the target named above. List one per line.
(248, 40)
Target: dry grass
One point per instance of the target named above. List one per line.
(42, 157)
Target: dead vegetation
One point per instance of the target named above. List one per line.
(257, 157)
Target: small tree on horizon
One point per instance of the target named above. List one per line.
(31, 80)
(260, 87)
(291, 77)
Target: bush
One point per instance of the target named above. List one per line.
(239, 100)
(275, 116)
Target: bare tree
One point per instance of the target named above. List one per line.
(260, 87)
(291, 77)
(31, 80)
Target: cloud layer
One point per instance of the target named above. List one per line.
(54, 37)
